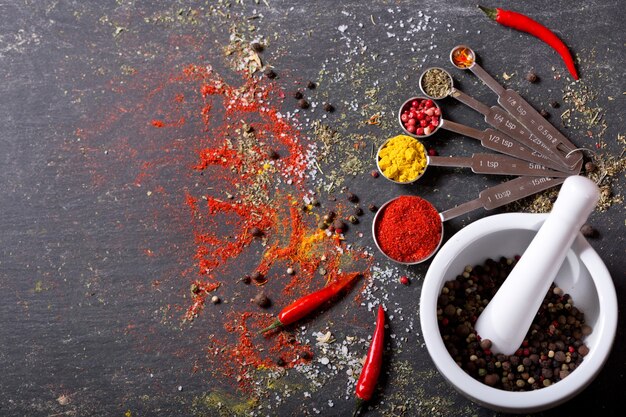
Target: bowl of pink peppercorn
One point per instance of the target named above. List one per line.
(419, 117)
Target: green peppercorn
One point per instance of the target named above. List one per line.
(353, 219)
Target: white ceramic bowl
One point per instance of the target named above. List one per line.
(583, 275)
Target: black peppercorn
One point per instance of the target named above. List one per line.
(257, 276)
(269, 73)
(372, 208)
(329, 107)
(588, 231)
(352, 198)
(256, 232)
(257, 47)
(358, 211)
(246, 279)
(280, 362)
(339, 225)
(298, 95)
(310, 85)
(531, 77)
(303, 104)
(273, 154)
(262, 300)
(554, 104)
(590, 167)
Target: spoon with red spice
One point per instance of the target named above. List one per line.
(464, 58)
(409, 230)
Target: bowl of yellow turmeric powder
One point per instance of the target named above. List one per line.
(402, 159)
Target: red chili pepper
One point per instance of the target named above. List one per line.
(526, 24)
(305, 305)
(366, 384)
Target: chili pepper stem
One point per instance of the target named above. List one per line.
(489, 11)
(359, 405)
(276, 324)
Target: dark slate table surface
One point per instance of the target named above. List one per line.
(84, 329)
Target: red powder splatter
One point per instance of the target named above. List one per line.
(215, 116)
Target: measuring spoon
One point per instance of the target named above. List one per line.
(508, 316)
(490, 198)
(480, 163)
(464, 58)
(489, 138)
(505, 123)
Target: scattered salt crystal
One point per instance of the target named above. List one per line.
(342, 28)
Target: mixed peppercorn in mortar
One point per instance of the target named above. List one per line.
(552, 349)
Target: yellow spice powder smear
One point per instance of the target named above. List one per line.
(402, 158)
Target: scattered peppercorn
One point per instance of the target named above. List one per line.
(531, 77)
(310, 85)
(280, 362)
(358, 211)
(590, 167)
(269, 73)
(262, 300)
(353, 219)
(339, 226)
(404, 280)
(544, 113)
(554, 104)
(374, 173)
(588, 231)
(272, 154)
(329, 107)
(257, 276)
(305, 354)
(372, 208)
(315, 202)
(328, 217)
(303, 104)
(256, 232)
(352, 198)
(257, 47)
(246, 279)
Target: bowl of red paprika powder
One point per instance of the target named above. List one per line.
(583, 276)
(407, 229)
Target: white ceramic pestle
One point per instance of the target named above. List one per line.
(508, 316)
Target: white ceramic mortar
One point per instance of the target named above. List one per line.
(583, 275)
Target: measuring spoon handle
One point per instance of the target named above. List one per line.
(470, 102)
(502, 194)
(494, 164)
(489, 81)
(530, 118)
(499, 142)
